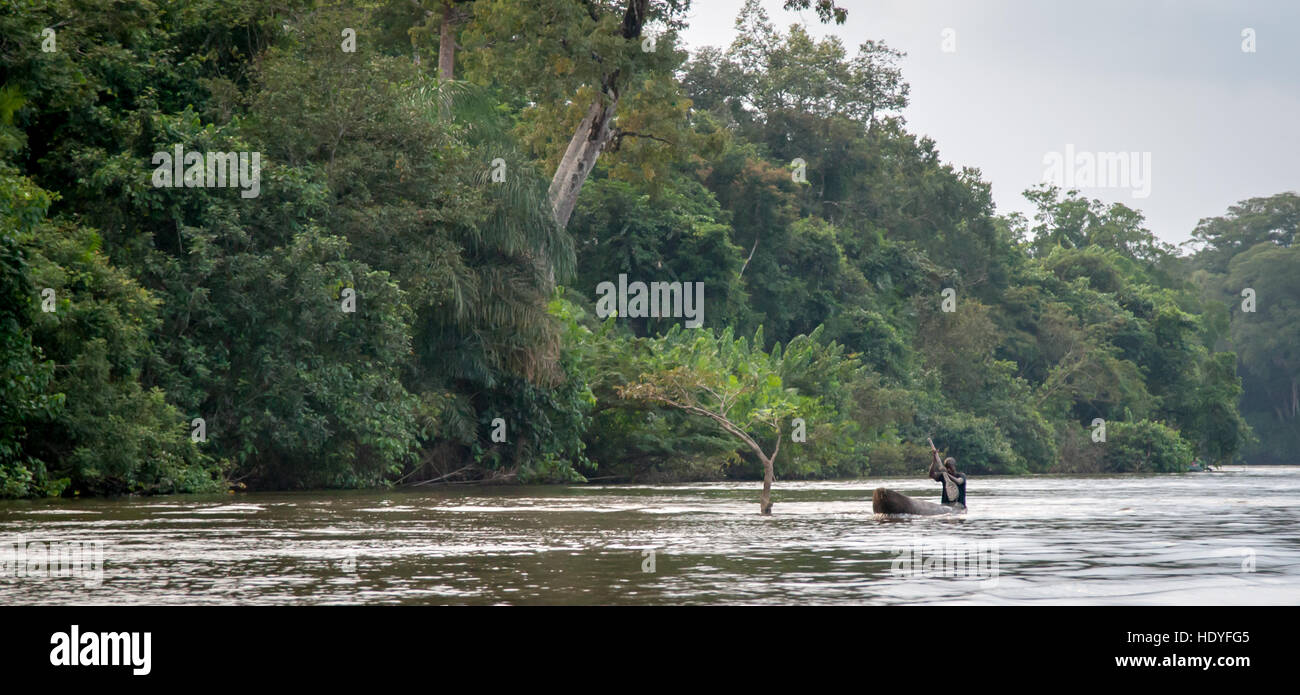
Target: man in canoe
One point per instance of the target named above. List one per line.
(886, 501)
(954, 483)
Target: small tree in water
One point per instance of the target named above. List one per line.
(730, 381)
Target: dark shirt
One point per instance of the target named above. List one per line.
(954, 481)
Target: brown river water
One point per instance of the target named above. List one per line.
(1224, 537)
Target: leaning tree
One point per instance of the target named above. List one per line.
(730, 381)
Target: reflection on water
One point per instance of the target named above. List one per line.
(1161, 539)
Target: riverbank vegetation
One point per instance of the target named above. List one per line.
(411, 294)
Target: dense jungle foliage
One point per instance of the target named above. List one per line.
(400, 303)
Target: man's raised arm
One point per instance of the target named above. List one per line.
(936, 467)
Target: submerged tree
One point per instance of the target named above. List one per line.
(730, 381)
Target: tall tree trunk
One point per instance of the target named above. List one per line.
(580, 157)
(769, 462)
(765, 502)
(447, 44)
(594, 131)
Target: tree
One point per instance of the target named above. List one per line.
(1251, 250)
(450, 17)
(827, 10)
(1274, 219)
(595, 49)
(25, 375)
(673, 235)
(1068, 220)
(730, 381)
(775, 75)
(595, 129)
(1145, 447)
(1267, 341)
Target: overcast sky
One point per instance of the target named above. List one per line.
(1029, 77)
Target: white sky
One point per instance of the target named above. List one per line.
(1028, 77)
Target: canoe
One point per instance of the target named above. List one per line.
(886, 501)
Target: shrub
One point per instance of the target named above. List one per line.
(1145, 446)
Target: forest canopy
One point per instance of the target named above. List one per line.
(411, 296)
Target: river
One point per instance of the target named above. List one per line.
(1224, 537)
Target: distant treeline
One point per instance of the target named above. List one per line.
(395, 300)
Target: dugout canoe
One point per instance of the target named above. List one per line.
(886, 501)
